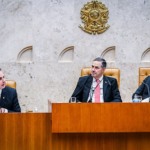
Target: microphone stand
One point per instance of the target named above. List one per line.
(91, 95)
(93, 89)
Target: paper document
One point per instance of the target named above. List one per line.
(145, 100)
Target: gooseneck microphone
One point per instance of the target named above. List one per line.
(147, 89)
(92, 91)
(91, 94)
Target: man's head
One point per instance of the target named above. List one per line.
(2, 80)
(98, 67)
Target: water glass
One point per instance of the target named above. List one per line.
(35, 109)
(73, 99)
(137, 99)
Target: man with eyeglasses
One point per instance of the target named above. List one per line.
(97, 88)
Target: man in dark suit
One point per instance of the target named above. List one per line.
(8, 97)
(144, 89)
(86, 88)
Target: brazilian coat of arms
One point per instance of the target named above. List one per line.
(94, 16)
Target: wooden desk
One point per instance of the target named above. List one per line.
(33, 131)
(104, 117)
(105, 126)
(25, 131)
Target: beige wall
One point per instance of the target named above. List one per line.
(43, 49)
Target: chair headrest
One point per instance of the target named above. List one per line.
(143, 73)
(11, 83)
(111, 72)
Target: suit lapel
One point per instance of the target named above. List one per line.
(4, 94)
(105, 86)
(87, 88)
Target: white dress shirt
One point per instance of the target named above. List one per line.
(93, 86)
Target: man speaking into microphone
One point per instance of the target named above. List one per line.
(144, 89)
(97, 88)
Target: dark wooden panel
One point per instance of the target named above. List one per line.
(101, 141)
(25, 131)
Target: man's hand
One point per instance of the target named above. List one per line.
(3, 110)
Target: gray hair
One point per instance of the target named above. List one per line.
(103, 61)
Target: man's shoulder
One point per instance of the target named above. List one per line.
(147, 79)
(110, 78)
(85, 77)
(7, 88)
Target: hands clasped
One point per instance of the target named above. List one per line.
(3, 110)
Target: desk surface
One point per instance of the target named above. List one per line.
(102, 117)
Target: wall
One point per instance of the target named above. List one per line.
(43, 48)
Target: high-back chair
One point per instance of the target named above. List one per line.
(143, 73)
(11, 83)
(111, 72)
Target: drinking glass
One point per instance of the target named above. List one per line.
(137, 98)
(73, 99)
(35, 109)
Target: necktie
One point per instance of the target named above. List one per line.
(97, 92)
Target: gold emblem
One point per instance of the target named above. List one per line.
(94, 15)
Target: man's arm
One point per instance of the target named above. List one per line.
(15, 103)
(78, 91)
(141, 88)
(115, 91)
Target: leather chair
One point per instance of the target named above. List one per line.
(143, 73)
(11, 83)
(111, 72)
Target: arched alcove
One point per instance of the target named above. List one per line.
(146, 56)
(109, 54)
(25, 55)
(67, 55)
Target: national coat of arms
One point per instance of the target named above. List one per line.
(94, 16)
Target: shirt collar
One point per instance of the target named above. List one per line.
(101, 78)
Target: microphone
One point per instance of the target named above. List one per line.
(92, 92)
(147, 90)
(91, 95)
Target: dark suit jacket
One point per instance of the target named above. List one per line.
(110, 89)
(144, 89)
(9, 100)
